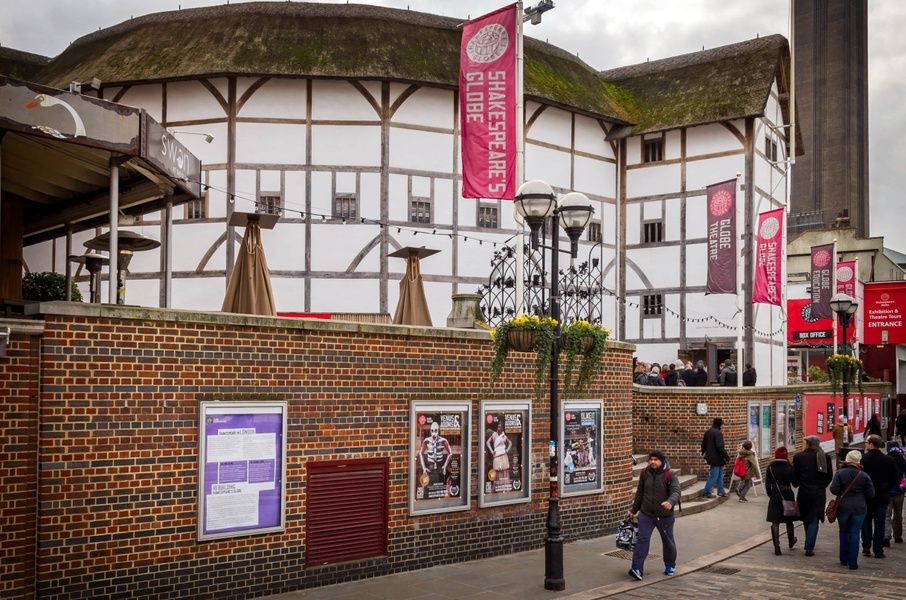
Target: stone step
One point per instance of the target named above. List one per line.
(640, 458)
(700, 505)
(685, 481)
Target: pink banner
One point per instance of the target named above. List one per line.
(487, 105)
(722, 238)
(768, 287)
(822, 281)
(847, 275)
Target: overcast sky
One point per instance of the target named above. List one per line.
(605, 33)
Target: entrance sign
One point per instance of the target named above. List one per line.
(504, 467)
(439, 456)
(487, 105)
(580, 432)
(241, 468)
(884, 316)
(722, 238)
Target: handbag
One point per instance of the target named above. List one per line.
(627, 534)
(790, 508)
(834, 505)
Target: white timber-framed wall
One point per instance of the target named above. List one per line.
(308, 139)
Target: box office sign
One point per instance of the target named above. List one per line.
(241, 468)
(504, 453)
(580, 457)
(439, 456)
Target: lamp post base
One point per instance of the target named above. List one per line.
(553, 549)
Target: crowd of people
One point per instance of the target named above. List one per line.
(685, 374)
(869, 490)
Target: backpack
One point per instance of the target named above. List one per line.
(668, 473)
(739, 468)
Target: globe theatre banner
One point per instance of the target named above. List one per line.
(722, 238)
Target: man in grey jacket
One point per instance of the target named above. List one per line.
(658, 492)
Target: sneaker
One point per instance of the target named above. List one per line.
(741, 499)
(793, 542)
(887, 542)
(866, 552)
(635, 574)
(810, 553)
(722, 495)
(709, 496)
(669, 571)
(879, 555)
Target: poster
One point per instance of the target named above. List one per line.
(831, 409)
(241, 470)
(505, 451)
(851, 411)
(821, 423)
(753, 422)
(439, 451)
(765, 442)
(580, 441)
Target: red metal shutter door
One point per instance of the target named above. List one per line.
(347, 510)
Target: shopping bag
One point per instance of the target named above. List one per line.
(627, 533)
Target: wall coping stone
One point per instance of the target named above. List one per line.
(716, 390)
(23, 326)
(145, 313)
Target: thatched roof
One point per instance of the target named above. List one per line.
(372, 42)
(327, 40)
(721, 84)
(21, 65)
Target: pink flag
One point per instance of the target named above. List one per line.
(847, 276)
(768, 253)
(487, 105)
(722, 238)
(822, 281)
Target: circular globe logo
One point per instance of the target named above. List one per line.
(488, 44)
(822, 258)
(807, 314)
(844, 274)
(720, 203)
(769, 228)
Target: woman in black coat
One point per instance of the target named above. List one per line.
(779, 486)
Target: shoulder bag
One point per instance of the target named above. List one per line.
(834, 505)
(790, 508)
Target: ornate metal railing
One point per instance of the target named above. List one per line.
(581, 287)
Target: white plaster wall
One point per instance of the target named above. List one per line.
(370, 196)
(279, 96)
(672, 145)
(552, 126)
(347, 295)
(289, 293)
(284, 246)
(652, 180)
(343, 241)
(216, 195)
(346, 145)
(702, 173)
(590, 137)
(708, 139)
(696, 217)
(548, 165)
(398, 202)
(271, 143)
(214, 152)
(192, 242)
(339, 100)
(427, 106)
(672, 219)
(202, 293)
(658, 353)
(594, 177)
(188, 100)
(149, 97)
(659, 263)
(421, 150)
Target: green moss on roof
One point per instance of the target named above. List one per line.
(21, 65)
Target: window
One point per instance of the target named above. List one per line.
(653, 150)
(345, 206)
(652, 232)
(652, 305)
(198, 208)
(419, 210)
(270, 203)
(488, 216)
(594, 231)
(770, 149)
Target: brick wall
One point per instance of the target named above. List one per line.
(119, 411)
(666, 418)
(18, 467)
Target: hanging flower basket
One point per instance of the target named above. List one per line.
(525, 333)
(521, 340)
(843, 368)
(581, 338)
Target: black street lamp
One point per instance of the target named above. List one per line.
(845, 306)
(537, 202)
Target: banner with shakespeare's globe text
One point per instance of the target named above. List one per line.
(487, 105)
(768, 288)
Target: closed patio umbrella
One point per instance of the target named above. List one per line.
(249, 291)
(412, 308)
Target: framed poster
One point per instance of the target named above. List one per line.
(580, 443)
(439, 456)
(765, 441)
(505, 451)
(241, 468)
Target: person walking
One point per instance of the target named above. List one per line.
(778, 484)
(873, 427)
(883, 473)
(812, 471)
(901, 427)
(893, 518)
(751, 469)
(843, 435)
(656, 495)
(853, 489)
(715, 454)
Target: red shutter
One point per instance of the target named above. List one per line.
(347, 510)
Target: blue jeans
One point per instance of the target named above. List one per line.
(850, 526)
(873, 527)
(715, 477)
(647, 525)
(811, 534)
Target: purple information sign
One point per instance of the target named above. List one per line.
(242, 469)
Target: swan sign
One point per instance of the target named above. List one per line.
(165, 152)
